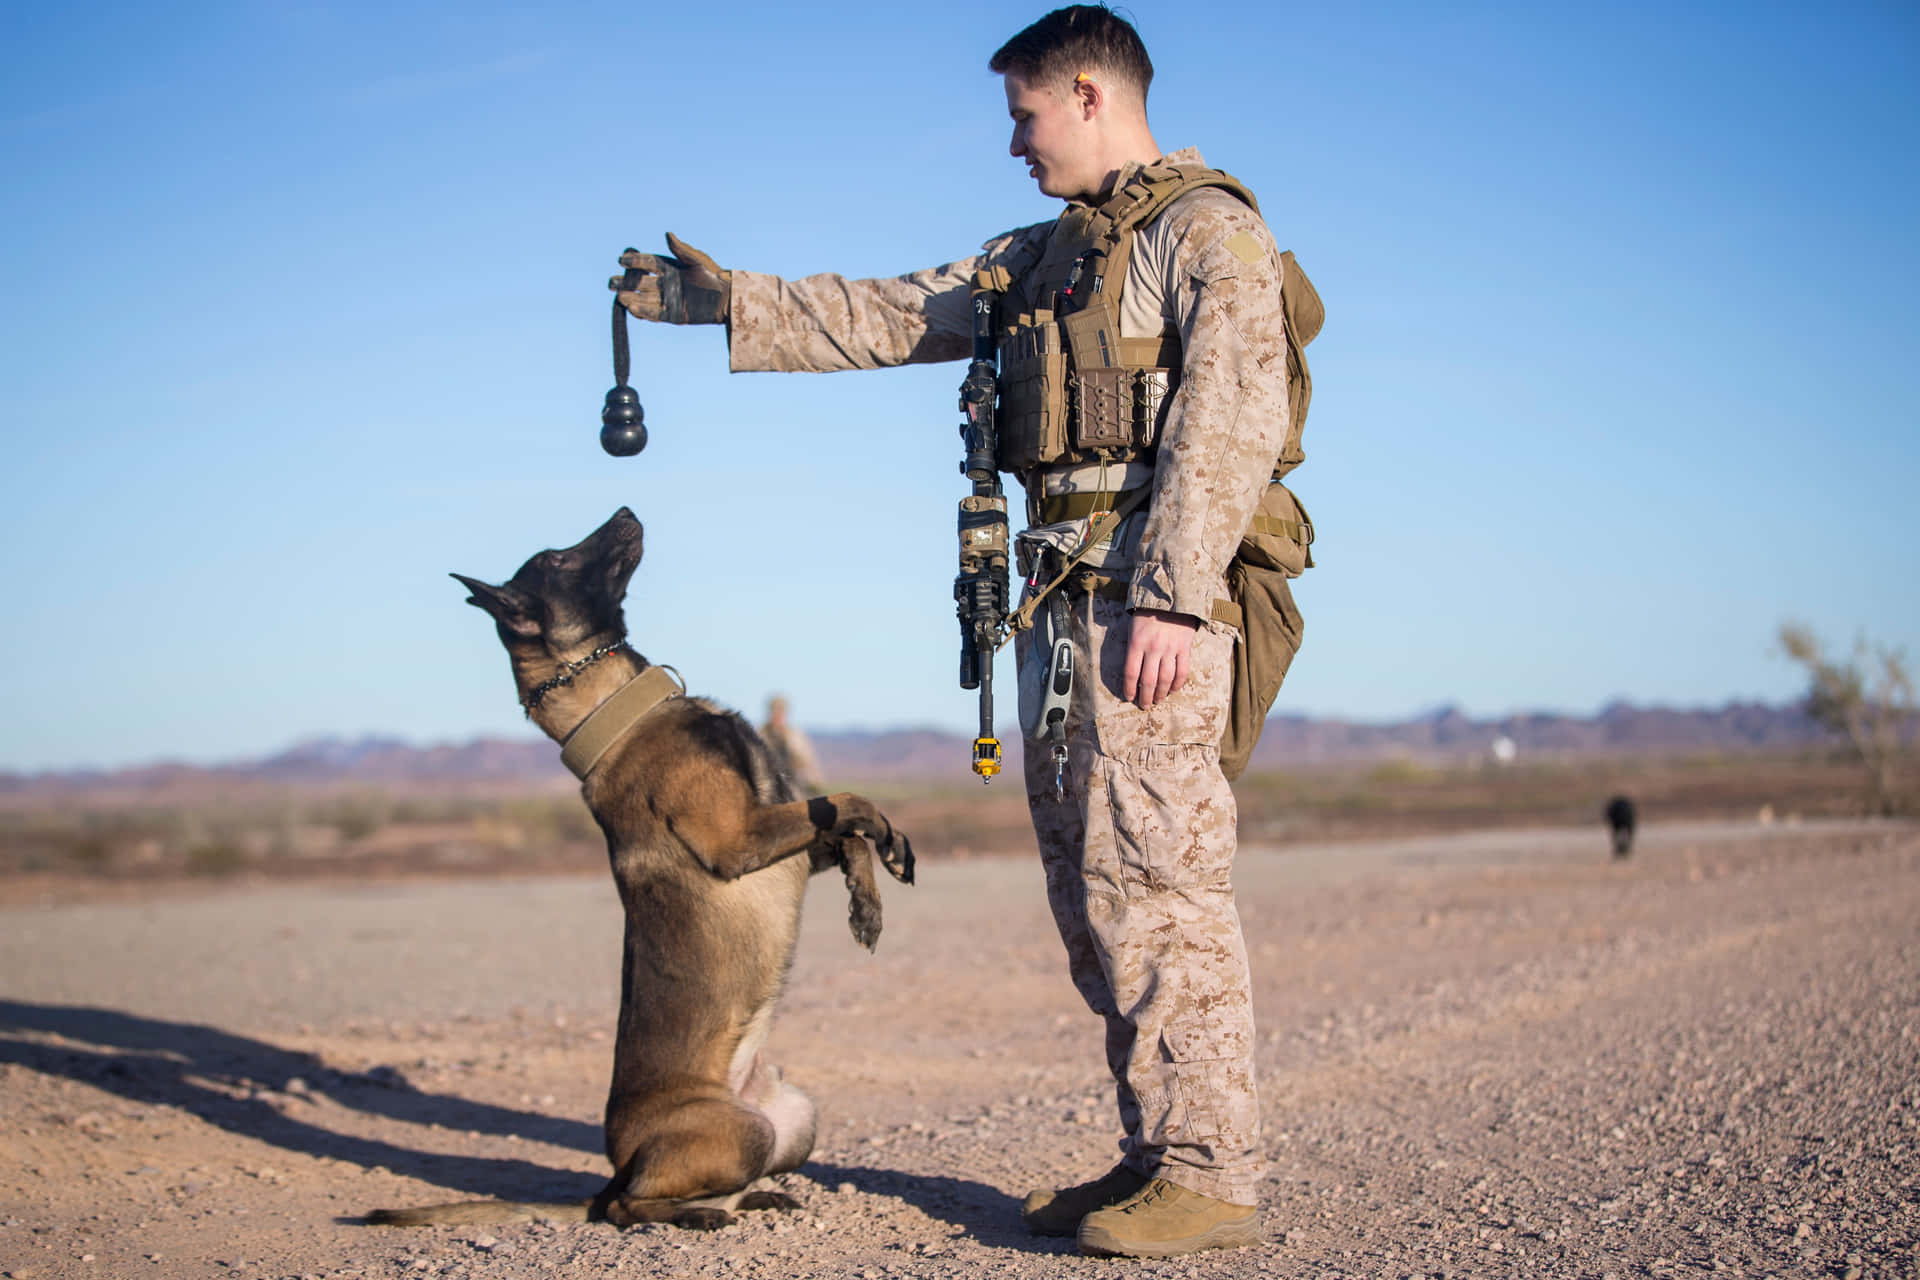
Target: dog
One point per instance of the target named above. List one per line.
(1621, 820)
(711, 852)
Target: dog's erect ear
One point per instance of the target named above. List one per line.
(510, 608)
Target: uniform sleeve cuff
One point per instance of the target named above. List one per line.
(1156, 587)
(752, 316)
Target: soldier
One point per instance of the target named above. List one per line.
(791, 749)
(1137, 840)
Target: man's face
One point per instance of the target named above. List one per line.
(1054, 134)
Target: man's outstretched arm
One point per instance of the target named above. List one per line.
(823, 323)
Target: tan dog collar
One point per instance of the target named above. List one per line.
(626, 708)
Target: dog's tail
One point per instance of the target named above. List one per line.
(467, 1213)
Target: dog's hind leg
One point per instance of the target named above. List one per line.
(767, 1197)
(707, 1214)
(711, 1212)
(685, 1163)
(789, 1111)
(760, 1085)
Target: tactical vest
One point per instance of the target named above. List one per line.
(1072, 389)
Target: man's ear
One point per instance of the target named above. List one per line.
(511, 609)
(1088, 93)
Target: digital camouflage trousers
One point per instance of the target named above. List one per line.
(1138, 858)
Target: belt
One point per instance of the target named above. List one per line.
(1090, 583)
(1078, 506)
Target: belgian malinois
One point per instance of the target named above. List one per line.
(711, 852)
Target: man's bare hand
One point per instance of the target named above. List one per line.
(1159, 647)
(687, 288)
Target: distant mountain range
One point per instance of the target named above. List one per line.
(1619, 728)
(1442, 735)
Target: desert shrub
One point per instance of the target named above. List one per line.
(563, 818)
(358, 818)
(216, 858)
(1390, 772)
(89, 852)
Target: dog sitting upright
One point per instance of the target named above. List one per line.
(711, 853)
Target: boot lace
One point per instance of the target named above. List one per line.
(1147, 1195)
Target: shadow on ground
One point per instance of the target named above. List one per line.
(987, 1214)
(261, 1091)
(258, 1090)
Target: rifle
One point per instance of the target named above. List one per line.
(980, 590)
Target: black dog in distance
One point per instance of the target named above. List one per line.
(1620, 821)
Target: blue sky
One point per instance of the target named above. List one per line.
(304, 308)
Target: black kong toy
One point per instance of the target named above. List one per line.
(623, 423)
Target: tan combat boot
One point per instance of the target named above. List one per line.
(1058, 1213)
(1161, 1219)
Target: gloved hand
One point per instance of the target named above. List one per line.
(686, 288)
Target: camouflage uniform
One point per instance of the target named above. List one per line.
(793, 754)
(1138, 857)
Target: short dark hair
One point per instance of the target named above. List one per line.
(1068, 41)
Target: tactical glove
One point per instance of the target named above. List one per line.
(685, 288)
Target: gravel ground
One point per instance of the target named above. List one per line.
(1487, 1055)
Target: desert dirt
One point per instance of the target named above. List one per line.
(1482, 1054)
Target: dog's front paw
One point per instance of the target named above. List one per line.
(863, 917)
(896, 853)
(702, 1218)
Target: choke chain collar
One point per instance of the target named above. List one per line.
(565, 675)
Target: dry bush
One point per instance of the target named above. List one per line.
(1868, 700)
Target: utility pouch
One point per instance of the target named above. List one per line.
(1270, 632)
(1033, 375)
(1281, 535)
(1040, 550)
(1149, 395)
(1116, 409)
(1101, 410)
(1276, 548)
(1113, 400)
(1100, 390)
